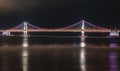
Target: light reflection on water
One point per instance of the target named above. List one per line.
(25, 54)
(113, 58)
(25, 57)
(82, 59)
(59, 52)
(113, 61)
(82, 55)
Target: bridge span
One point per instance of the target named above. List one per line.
(81, 26)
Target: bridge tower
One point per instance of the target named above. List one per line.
(25, 29)
(83, 28)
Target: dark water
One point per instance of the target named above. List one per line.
(59, 54)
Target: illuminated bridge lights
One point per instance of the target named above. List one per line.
(77, 27)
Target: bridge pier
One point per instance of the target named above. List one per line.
(82, 33)
(25, 29)
(6, 33)
(25, 41)
(114, 33)
(82, 43)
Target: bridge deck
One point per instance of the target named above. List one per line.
(58, 30)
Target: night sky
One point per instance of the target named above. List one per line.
(59, 13)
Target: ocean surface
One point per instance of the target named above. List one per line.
(59, 53)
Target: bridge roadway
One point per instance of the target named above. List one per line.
(59, 30)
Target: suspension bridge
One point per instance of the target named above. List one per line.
(81, 26)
